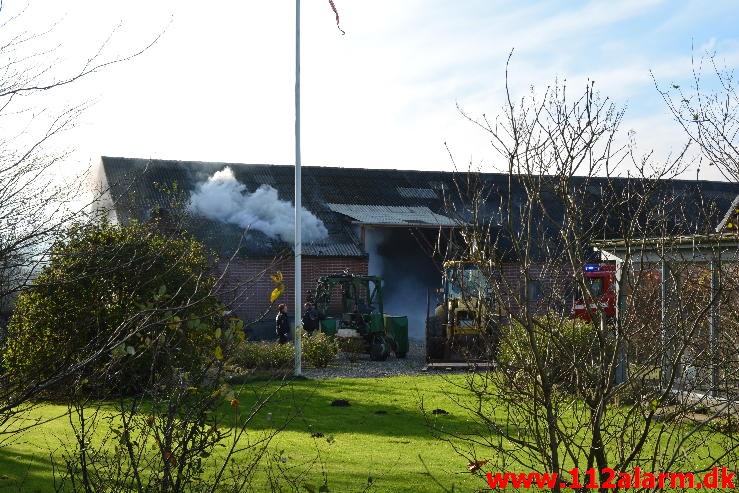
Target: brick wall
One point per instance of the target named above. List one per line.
(246, 285)
(555, 286)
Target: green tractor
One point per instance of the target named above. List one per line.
(359, 314)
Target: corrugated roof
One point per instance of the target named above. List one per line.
(339, 196)
(417, 193)
(138, 186)
(333, 250)
(393, 215)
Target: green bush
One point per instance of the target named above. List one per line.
(566, 347)
(264, 355)
(319, 349)
(116, 306)
(352, 347)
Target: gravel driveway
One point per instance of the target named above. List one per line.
(363, 367)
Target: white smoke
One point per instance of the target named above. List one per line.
(223, 198)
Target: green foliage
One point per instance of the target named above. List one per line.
(565, 350)
(319, 349)
(264, 355)
(352, 347)
(728, 424)
(115, 306)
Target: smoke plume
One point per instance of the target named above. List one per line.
(223, 198)
(409, 275)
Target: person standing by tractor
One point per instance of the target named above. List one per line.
(282, 324)
(310, 318)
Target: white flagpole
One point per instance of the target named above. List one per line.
(298, 205)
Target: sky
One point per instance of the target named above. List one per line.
(218, 85)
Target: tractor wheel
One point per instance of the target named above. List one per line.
(435, 339)
(434, 327)
(435, 348)
(379, 348)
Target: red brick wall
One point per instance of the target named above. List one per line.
(246, 284)
(555, 282)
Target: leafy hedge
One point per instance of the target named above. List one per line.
(264, 355)
(114, 308)
(318, 351)
(567, 349)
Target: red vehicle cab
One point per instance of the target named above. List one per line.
(601, 282)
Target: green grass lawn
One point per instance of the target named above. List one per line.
(25, 462)
(383, 435)
(357, 442)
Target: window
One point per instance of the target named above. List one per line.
(595, 286)
(534, 292)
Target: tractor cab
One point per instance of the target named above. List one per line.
(463, 280)
(464, 325)
(465, 291)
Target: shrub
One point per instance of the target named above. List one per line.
(352, 347)
(264, 355)
(728, 424)
(319, 349)
(114, 307)
(565, 346)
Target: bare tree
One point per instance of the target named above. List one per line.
(183, 428)
(708, 112)
(622, 391)
(36, 199)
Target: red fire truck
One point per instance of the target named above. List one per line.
(600, 280)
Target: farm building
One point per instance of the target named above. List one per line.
(382, 222)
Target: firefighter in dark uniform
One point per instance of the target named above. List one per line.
(311, 318)
(282, 324)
